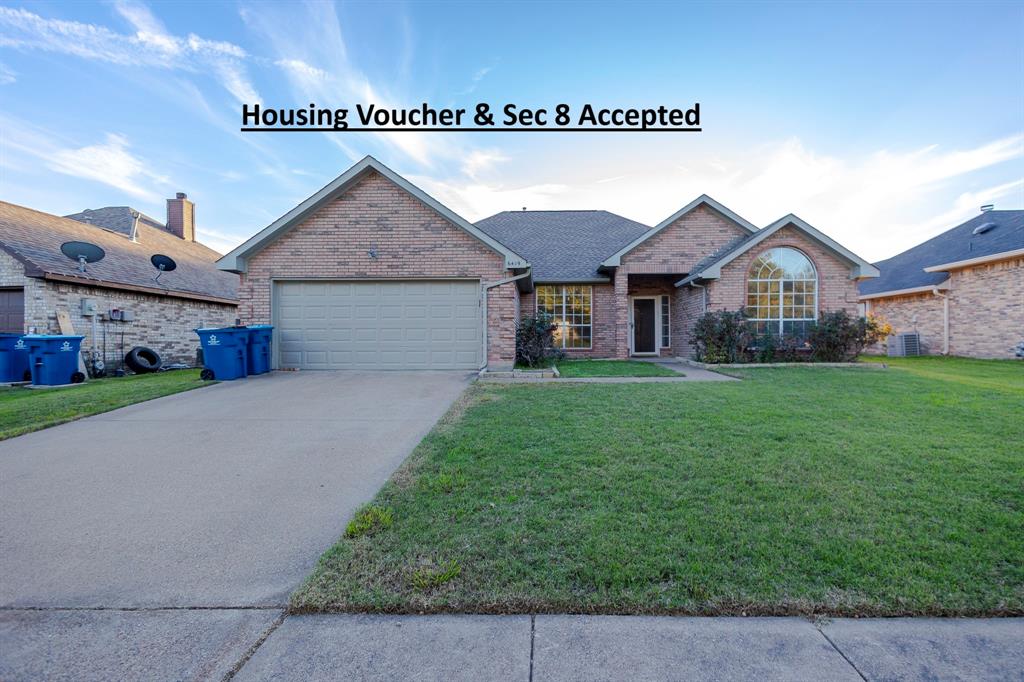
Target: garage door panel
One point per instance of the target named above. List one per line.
(415, 312)
(378, 325)
(341, 312)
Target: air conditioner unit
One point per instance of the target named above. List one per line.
(904, 344)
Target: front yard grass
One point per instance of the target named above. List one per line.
(839, 491)
(23, 410)
(612, 368)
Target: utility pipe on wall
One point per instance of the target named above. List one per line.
(703, 296)
(945, 319)
(483, 295)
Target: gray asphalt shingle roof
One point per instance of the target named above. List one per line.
(562, 245)
(906, 270)
(34, 238)
(116, 218)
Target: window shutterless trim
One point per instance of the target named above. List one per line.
(561, 288)
(781, 320)
(665, 313)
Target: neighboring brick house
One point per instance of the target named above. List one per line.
(961, 291)
(372, 273)
(37, 280)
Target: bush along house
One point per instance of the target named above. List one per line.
(122, 300)
(372, 273)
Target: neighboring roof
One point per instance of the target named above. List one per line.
(711, 268)
(907, 270)
(34, 238)
(235, 261)
(116, 218)
(563, 246)
(703, 200)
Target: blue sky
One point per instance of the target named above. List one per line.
(880, 123)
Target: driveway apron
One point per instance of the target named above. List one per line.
(221, 497)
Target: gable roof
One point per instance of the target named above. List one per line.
(34, 238)
(711, 268)
(115, 218)
(703, 200)
(563, 246)
(235, 261)
(915, 268)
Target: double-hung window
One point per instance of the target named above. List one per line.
(568, 306)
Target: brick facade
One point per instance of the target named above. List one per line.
(675, 250)
(602, 311)
(411, 240)
(919, 312)
(836, 290)
(162, 323)
(986, 312)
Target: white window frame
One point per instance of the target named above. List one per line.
(562, 287)
(666, 329)
(782, 316)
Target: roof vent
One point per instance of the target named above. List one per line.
(987, 207)
(983, 228)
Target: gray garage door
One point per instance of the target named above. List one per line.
(378, 325)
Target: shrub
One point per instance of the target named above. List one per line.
(840, 337)
(369, 520)
(766, 347)
(535, 341)
(721, 336)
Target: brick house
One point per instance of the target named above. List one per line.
(37, 280)
(370, 272)
(961, 291)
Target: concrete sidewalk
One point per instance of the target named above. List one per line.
(534, 648)
(241, 644)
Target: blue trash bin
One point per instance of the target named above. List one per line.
(14, 359)
(259, 348)
(225, 353)
(53, 359)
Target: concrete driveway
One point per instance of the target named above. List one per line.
(224, 496)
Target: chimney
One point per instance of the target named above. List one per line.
(181, 217)
(987, 207)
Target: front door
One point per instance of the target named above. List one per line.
(644, 321)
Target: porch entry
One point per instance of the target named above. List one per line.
(645, 325)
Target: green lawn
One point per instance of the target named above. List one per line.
(24, 409)
(612, 368)
(836, 491)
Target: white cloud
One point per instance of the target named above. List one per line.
(302, 70)
(150, 46)
(876, 203)
(7, 75)
(474, 80)
(476, 200)
(310, 49)
(112, 164)
(479, 161)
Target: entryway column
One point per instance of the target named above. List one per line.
(621, 314)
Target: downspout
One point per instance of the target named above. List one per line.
(703, 296)
(945, 320)
(483, 295)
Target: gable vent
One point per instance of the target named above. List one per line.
(983, 228)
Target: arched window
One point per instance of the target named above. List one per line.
(782, 292)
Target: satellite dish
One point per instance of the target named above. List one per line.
(83, 252)
(163, 264)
